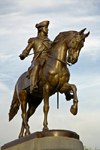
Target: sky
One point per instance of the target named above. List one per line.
(17, 25)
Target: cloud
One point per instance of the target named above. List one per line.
(18, 19)
(7, 7)
(5, 57)
(88, 81)
(3, 88)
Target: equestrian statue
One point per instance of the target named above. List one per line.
(47, 74)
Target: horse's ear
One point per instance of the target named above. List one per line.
(86, 35)
(80, 32)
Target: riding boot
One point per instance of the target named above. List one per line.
(33, 80)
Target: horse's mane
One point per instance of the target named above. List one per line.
(60, 37)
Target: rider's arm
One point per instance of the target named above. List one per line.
(27, 49)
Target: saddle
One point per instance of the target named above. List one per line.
(42, 63)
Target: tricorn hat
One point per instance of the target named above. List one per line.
(42, 24)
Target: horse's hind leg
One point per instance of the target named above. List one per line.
(30, 112)
(32, 105)
(22, 130)
(23, 100)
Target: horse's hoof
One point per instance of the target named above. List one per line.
(20, 136)
(27, 133)
(73, 109)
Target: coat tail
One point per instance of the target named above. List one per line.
(14, 106)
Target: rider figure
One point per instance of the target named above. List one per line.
(40, 44)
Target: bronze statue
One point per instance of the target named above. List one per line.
(52, 75)
(40, 44)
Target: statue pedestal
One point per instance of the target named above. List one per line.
(47, 140)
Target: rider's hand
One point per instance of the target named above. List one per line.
(21, 56)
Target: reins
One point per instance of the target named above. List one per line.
(63, 62)
(54, 57)
(50, 57)
(39, 52)
(59, 60)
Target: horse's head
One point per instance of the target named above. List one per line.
(74, 45)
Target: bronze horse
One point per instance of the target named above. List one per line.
(54, 77)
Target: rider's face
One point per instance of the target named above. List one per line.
(45, 30)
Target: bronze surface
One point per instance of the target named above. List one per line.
(47, 74)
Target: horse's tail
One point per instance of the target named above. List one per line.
(14, 106)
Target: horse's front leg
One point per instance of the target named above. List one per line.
(74, 107)
(23, 100)
(69, 95)
(66, 89)
(46, 105)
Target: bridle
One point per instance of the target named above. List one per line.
(63, 62)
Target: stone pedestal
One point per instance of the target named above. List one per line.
(48, 140)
